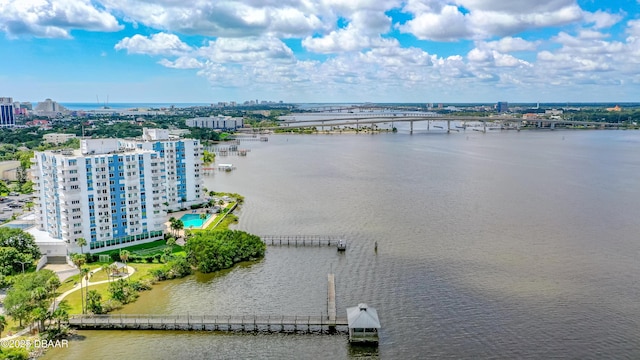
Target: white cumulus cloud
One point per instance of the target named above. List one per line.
(481, 19)
(53, 18)
(156, 44)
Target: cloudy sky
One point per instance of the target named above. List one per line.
(320, 50)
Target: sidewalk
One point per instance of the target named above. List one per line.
(61, 297)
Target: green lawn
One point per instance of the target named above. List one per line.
(142, 272)
(151, 248)
(68, 283)
(136, 247)
(212, 225)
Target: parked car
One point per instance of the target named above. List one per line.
(13, 193)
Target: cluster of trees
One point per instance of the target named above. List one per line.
(18, 250)
(210, 251)
(208, 157)
(121, 291)
(176, 267)
(175, 225)
(32, 298)
(206, 135)
(30, 138)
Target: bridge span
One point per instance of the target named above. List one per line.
(380, 118)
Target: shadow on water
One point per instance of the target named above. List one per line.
(205, 278)
(363, 352)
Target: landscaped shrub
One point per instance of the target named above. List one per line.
(215, 250)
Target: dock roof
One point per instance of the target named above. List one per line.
(362, 316)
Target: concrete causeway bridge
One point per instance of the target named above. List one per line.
(323, 322)
(329, 120)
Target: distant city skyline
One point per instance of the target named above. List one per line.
(321, 51)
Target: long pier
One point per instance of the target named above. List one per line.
(323, 323)
(331, 300)
(251, 323)
(302, 240)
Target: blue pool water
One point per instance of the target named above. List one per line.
(193, 220)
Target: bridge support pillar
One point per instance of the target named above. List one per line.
(552, 126)
(484, 128)
(357, 126)
(411, 129)
(448, 126)
(518, 125)
(428, 125)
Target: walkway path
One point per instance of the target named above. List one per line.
(61, 297)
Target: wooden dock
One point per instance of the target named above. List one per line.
(252, 323)
(302, 240)
(331, 300)
(322, 323)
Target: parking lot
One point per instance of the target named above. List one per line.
(13, 205)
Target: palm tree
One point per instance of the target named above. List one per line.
(3, 324)
(113, 268)
(51, 286)
(172, 222)
(84, 273)
(78, 260)
(105, 268)
(40, 315)
(124, 256)
(179, 225)
(81, 242)
(62, 312)
(176, 225)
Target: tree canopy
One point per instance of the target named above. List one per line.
(29, 292)
(11, 261)
(214, 250)
(20, 240)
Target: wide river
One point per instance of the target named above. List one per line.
(501, 245)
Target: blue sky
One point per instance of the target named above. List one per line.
(320, 50)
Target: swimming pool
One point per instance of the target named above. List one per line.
(193, 220)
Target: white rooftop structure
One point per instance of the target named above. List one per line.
(99, 146)
(363, 324)
(155, 134)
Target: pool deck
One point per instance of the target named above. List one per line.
(179, 214)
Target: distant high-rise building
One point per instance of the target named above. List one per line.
(216, 122)
(49, 106)
(502, 106)
(7, 118)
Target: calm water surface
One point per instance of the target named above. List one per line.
(500, 245)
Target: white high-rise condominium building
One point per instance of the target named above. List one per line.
(110, 193)
(183, 162)
(7, 118)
